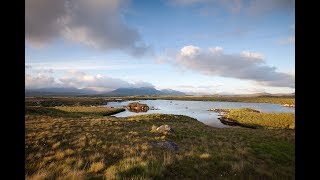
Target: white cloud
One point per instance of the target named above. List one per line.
(95, 23)
(288, 40)
(216, 50)
(83, 65)
(40, 81)
(251, 90)
(189, 51)
(199, 89)
(77, 79)
(252, 55)
(245, 65)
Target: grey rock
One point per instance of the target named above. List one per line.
(167, 144)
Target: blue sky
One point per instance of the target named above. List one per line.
(206, 46)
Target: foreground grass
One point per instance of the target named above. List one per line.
(116, 148)
(253, 118)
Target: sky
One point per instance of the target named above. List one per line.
(194, 46)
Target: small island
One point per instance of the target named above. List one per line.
(252, 118)
(137, 107)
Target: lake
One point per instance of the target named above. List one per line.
(197, 109)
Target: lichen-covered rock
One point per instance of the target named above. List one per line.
(165, 127)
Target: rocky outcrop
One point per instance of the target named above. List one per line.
(167, 144)
(137, 107)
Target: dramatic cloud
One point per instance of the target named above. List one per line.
(95, 23)
(246, 65)
(77, 79)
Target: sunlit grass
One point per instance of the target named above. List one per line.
(89, 109)
(96, 167)
(252, 118)
(205, 156)
(107, 147)
(72, 111)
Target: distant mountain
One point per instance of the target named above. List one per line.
(172, 92)
(59, 92)
(142, 91)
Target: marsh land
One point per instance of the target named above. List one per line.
(76, 138)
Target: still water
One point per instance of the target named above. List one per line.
(197, 109)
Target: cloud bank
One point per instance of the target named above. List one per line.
(77, 79)
(245, 65)
(95, 23)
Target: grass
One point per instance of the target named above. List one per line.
(104, 111)
(64, 101)
(97, 147)
(252, 118)
(73, 111)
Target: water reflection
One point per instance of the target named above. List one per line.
(195, 109)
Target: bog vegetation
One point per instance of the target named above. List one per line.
(81, 143)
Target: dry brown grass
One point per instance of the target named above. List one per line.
(205, 156)
(93, 109)
(96, 167)
(118, 148)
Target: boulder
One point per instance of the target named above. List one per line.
(164, 128)
(167, 144)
